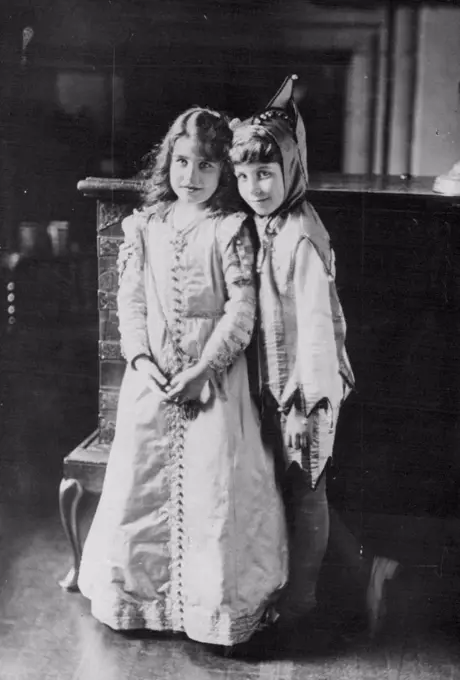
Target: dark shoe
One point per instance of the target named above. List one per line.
(383, 570)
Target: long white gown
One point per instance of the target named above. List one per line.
(189, 534)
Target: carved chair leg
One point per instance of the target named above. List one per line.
(70, 493)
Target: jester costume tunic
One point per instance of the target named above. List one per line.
(303, 360)
(189, 534)
(302, 330)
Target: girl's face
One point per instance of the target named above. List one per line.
(193, 178)
(261, 185)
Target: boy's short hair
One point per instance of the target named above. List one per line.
(254, 146)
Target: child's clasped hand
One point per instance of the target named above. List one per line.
(188, 385)
(150, 371)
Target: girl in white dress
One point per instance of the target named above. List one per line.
(189, 534)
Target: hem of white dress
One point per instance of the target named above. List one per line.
(134, 617)
(201, 626)
(228, 631)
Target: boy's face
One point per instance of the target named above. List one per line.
(261, 185)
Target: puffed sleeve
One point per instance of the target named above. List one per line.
(132, 306)
(234, 330)
(316, 378)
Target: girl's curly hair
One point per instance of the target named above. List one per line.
(214, 135)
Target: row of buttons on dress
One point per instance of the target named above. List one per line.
(180, 515)
(179, 243)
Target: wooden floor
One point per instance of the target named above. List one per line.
(47, 633)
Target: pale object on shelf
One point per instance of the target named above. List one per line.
(449, 184)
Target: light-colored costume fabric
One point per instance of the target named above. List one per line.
(189, 534)
(303, 359)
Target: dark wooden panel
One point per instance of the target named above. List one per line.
(108, 325)
(109, 350)
(110, 216)
(107, 420)
(108, 399)
(108, 246)
(111, 373)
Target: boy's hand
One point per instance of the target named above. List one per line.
(152, 374)
(296, 430)
(188, 385)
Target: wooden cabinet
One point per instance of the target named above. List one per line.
(398, 275)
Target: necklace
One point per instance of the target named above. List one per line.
(180, 230)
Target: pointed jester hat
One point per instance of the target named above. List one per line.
(282, 120)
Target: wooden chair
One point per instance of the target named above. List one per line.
(84, 471)
(84, 467)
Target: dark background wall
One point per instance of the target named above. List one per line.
(99, 83)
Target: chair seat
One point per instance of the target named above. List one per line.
(87, 463)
